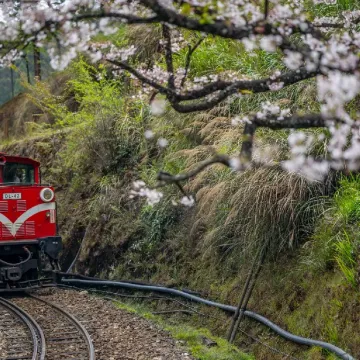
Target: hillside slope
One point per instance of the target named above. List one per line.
(309, 282)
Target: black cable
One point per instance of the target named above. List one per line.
(228, 308)
(268, 346)
(137, 297)
(79, 276)
(29, 256)
(78, 252)
(177, 311)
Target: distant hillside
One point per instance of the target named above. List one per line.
(19, 112)
(10, 80)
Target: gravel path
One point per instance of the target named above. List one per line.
(62, 337)
(15, 340)
(116, 334)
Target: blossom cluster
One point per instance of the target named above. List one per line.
(326, 49)
(302, 162)
(154, 196)
(140, 189)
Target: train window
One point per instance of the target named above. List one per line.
(15, 173)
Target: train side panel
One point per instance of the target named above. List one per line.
(24, 215)
(28, 231)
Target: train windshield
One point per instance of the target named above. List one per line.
(15, 173)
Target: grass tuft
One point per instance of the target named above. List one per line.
(336, 239)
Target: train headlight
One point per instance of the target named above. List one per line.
(46, 195)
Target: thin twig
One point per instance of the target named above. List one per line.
(266, 10)
(188, 59)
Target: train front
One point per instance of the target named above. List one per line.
(28, 230)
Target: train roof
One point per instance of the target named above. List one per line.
(19, 159)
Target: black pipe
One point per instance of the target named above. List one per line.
(84, 277)
(285, 334)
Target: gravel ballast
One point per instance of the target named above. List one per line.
(116, 333)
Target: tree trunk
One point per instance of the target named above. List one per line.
(27, 68)
(37, 63)
(12, 82)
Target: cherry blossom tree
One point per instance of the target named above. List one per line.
(325, 49)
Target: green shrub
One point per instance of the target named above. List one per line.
(347, 199)
(346, 250)
(336, 239)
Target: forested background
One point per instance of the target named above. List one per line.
(11, 81)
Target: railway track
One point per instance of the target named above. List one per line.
(36, 329)
(21, 337)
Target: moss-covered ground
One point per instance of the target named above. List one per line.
(200, 342)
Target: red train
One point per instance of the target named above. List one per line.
(28, 229)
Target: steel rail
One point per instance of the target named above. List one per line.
(79, 326)
(37, 334)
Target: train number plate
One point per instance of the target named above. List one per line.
(9, 196)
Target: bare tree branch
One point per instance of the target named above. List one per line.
(169, 56)
(247, 143)
(292, 122)
(221, 89)
(274, 123)
(266, 10)
(245, 158)
(254, 86)
(144, 79)
(129, 19)
(216, 159)
(219, 28)
(261, 85)
(335, 25)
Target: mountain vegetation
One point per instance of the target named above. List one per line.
(100, 134)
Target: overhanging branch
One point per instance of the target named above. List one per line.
(162, 89)
(129, 19)
(220, 90)
(244, 161)
(216, 159)
(219, 28)
(292, 122)
(260, 85)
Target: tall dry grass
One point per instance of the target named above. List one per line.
(236, 215)
(237, 212)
